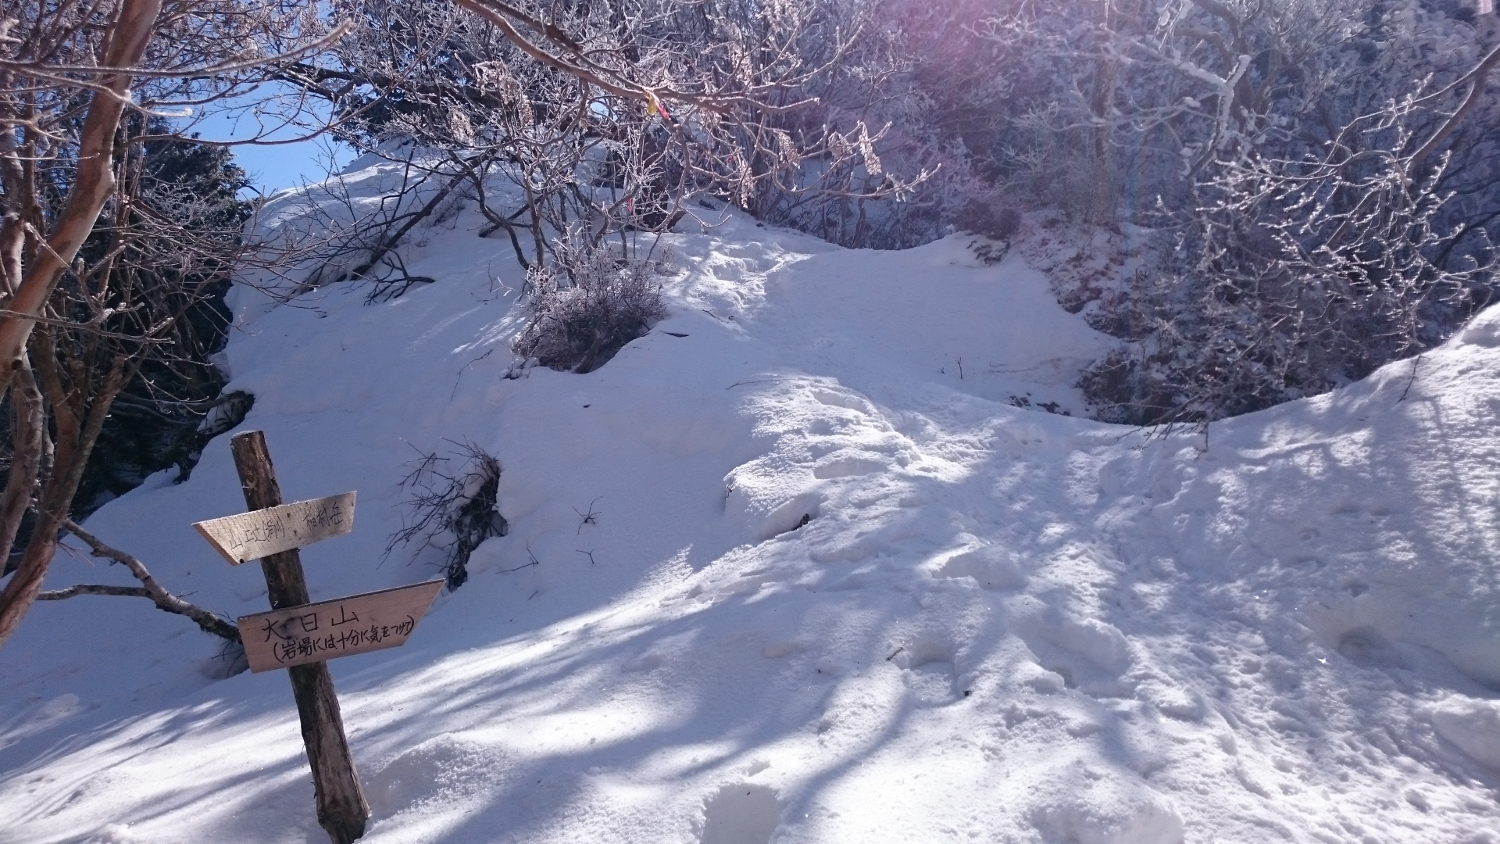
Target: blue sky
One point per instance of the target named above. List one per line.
(280, 166)
(272, 166)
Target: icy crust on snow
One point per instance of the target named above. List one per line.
(834, 588)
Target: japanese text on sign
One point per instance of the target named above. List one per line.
(331, 629)
(260, 533)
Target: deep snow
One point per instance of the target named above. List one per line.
(998, 625)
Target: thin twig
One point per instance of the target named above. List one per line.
(589, 518)
(534, 562)
(45, 71)
(466, 366)
(1417, 361)
(759, 381)
(91, 326)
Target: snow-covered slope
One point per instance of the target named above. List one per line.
(997, 625)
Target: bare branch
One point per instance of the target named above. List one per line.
(149, 588)
(93, 589)
(55, 73)
(1477, 77)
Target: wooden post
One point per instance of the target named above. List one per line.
(342, 809)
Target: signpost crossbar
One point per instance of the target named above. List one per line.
(260, 533)
(330, 629)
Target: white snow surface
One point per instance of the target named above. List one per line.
(996, 625)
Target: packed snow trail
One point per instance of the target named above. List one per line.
(837, 588)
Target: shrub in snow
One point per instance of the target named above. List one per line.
(1322, 174)
(588, 309)
(452, 512)
(1258, 305)
(986, 217)
(989, 219)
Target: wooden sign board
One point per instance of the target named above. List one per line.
(331, 629)
(261, 533)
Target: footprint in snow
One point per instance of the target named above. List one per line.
(1089, 654)
(740, 814)
(927, 670)
(992, 567)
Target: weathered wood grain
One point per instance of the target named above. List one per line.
(331, 629)
(342, 808)
(261, 533)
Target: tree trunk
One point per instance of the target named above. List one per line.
(92, 185)
(26, 456)
(75, 442)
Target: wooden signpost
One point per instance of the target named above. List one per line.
(299, 635)
(251, 536)
(328, 629)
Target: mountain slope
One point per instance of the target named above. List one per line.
(837, 587)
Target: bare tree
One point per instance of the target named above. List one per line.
(572, 123)
(97, 271)
(603, 116)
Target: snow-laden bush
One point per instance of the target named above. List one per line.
(586, 310)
